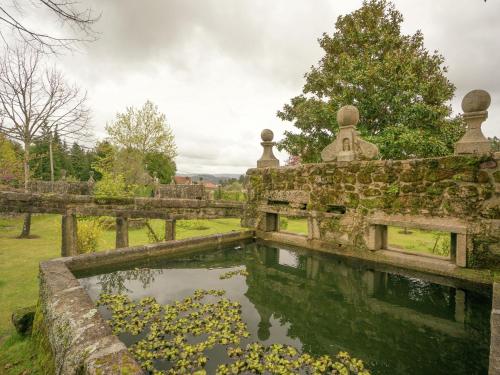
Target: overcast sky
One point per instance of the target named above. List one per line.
(220, 69)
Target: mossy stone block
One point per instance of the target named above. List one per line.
(22, 319)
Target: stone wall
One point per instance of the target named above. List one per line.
(125, 207)
(182, 191)
(60, 187)
(345, 201)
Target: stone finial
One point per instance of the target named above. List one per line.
(91, 182)
(63, 174)
(156, 185)
(474, 104)
(348, 145)
(268, 159)
(91, 179)
(348, 115)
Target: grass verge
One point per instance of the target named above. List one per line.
(19, 259)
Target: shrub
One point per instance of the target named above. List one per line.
(112, 186)
(89, 231)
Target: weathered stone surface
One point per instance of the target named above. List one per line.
(77, 335)
(182, 191)
(475, 105)
(449, 188)
(348, 145)
(130, 207)
(22, 319)
(267, 160)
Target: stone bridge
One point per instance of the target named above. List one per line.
(71, 206)
(351, 198)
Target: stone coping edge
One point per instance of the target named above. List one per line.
(417, 263)
(128, 254)
(80, 339)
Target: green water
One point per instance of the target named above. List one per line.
(322, 304)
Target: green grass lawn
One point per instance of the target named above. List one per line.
(296, 225)
(415, 240)
(420, 241)
(19, 259)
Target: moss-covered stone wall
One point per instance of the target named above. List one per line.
(465, 188)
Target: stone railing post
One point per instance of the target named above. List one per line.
(121, 232)
(268, 159)
(69, 234)
(474, 105)
(169, 230)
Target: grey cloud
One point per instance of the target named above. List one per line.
(220, 69)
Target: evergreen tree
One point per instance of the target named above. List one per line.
(398, 86)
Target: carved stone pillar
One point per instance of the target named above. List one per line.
(169, 230)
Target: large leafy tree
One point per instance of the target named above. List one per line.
(143, 130)
(143, 143)
(399, 87)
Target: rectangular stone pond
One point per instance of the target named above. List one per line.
(395, 321)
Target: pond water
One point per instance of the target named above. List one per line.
(323, 304)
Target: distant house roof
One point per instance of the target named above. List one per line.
(181, 180)
(209, 185)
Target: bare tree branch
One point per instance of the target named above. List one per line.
(35, 100)
(81, 21)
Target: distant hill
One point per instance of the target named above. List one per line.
(215, 178)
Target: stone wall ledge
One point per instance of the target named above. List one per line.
(382, 162)
(432, 267)
(80, 339)
(449, 224)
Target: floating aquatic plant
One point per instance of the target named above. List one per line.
(230, 274)
(166, 333)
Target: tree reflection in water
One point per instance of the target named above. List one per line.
(114, 282)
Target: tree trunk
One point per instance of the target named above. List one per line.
(26, 226)
(27, 217)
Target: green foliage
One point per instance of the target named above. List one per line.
(11, 166)
(89, 231)
(283, 223)
(166, 334)
(104, 159)
(285, 359)
(162, 165)
(144, 130)
(112, 186)
(142, 145)
(230, 274)
(398, 86)
(237, 196)
(40, 159)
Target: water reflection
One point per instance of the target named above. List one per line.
(115, 282)
(397, 324)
